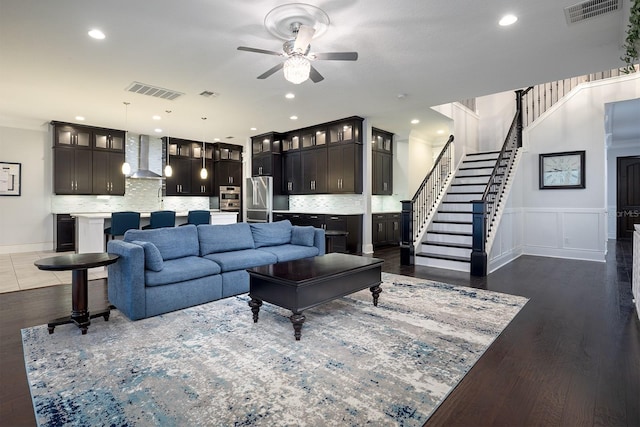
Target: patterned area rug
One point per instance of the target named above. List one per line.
(356, 364)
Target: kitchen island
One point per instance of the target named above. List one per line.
(90, 226)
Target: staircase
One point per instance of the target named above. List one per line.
(447, 242)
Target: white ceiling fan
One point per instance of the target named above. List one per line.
(297, 67)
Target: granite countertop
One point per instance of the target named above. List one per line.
(319, 213)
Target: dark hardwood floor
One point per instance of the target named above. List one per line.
(570, 358)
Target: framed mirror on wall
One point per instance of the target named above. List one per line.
(562, 171)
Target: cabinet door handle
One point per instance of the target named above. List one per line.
(259, 170)
(290, 186)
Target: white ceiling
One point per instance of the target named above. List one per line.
(433, 51)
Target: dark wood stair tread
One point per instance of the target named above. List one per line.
(444, 257)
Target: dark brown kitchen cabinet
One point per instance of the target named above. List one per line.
(107, 173)
(291, 171)
(345, 168)
(227, 166)
(346, 130)
(314, 170)
(106, 139)
(385, 228)
(313, 137)
(72, 170)
(382, 155)
(179, 183)
(67, 135)
(200, 186)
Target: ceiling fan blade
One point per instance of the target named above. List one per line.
(267, 52)
(305, 34)
(270, 71)
(315, 76)
(336, 56)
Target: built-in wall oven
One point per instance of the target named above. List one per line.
(230, 198)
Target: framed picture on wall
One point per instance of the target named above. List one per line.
(562, 171)
(10, 179)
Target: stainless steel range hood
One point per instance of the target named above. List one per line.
(143, 171)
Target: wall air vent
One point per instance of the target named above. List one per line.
(589, 9)
(155, 91)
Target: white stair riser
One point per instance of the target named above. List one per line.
(467, 189)
(442, 263)
(451, 197)
(468, 217)
(447, 251)
(480, 180)
(473, 172)
(465, 207)
(479, 156)
(454, 228)
(483, 164)
(448, 238)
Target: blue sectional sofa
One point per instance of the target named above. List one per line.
(167, 269)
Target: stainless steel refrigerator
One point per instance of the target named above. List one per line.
(259, 193)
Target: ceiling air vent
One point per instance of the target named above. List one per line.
(158, 92)
(209, 94)
(589, 9)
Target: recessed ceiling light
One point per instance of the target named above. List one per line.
(415, 121)
(96, 34)
(81, 118)
(290, 95)
(294, 117)
(216, 139)
(156, 117)
(440, 132)
(158, 130)
(253, 129)
(508, 20)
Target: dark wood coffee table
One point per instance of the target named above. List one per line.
(78, 263)
(305, 283)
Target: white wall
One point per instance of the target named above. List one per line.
(465, 128)
(496, 112)
(26, 223)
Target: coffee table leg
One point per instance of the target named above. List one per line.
(297, 319)
(255, 304)
(375, 291)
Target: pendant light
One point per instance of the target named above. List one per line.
(203, 171)
(126, 167)
(168, 170)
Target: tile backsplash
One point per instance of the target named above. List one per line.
(141, 195)
(347, 204)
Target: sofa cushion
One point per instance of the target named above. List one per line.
(152, 258)
(180, 270)
(223, 238)
(271, 233)
(302, 235)
(290, 252)
(172, 242)
(240, 260)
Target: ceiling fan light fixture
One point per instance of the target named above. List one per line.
(296, 69)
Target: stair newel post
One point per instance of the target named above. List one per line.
(478, 239)
(406, 231)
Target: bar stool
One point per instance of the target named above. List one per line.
(198, 217)
(161, 219)
(120, 223)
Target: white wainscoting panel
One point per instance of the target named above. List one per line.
(507, 244)
(565, 233)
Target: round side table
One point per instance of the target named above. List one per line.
(78, 263)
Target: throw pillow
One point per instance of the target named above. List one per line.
(302, 236)
(152, 258)
(271, 233)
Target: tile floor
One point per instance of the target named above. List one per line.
(18, 273)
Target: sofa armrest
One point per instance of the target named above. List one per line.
(125, 281)
(318, 240)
